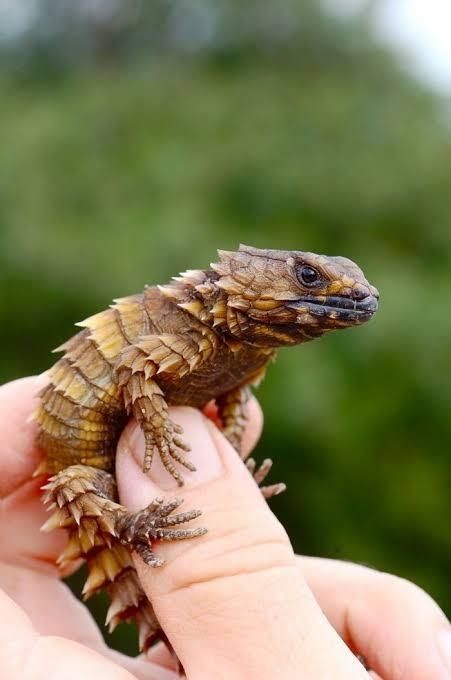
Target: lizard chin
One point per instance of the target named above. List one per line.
(337, 309)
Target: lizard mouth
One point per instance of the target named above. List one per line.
(338, 308)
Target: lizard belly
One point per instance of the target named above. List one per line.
(225, 371)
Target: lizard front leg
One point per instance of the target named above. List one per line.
(136, 370)
(150, 409)
(233, 414)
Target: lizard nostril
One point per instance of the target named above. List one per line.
(359, 293)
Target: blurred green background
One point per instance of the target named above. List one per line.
(137, 138)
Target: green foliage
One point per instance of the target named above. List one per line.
(114, 177)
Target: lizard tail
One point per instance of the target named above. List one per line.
(81, 498)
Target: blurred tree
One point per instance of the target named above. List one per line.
(61, 35)
(174, 129)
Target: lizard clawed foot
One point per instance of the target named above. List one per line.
(138, 530)
(260, 474)
(169, 444)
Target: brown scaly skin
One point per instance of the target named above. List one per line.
(208, 335)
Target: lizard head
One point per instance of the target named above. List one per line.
(277, 297)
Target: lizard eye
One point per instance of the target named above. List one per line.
(307, 275)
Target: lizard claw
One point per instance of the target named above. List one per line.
(137, 530)
(169, 444)
(260, 474)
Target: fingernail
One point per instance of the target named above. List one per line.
(444, 646)
(203, 455)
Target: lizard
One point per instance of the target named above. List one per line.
(207, 335)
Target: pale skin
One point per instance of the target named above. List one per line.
(235, 603)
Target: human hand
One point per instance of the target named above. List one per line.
(235, 604)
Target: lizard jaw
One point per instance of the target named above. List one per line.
(337, 308)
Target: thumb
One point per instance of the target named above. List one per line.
(232, 603)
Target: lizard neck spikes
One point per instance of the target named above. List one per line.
(186, 292)
(181, 285)
(197, 293)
